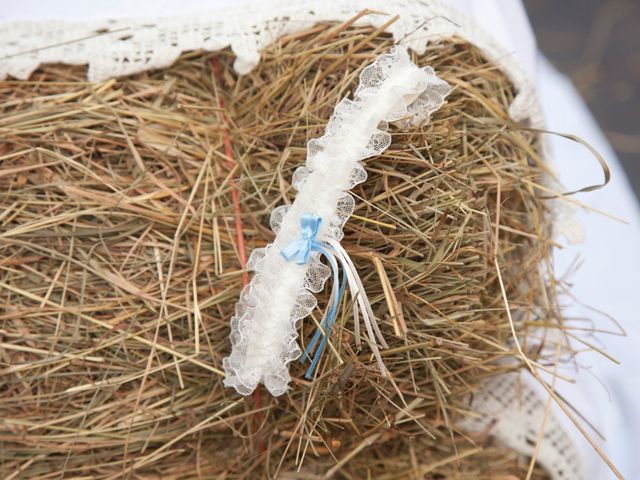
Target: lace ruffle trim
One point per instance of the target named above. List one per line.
(264, 329)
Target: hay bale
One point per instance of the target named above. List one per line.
(120, 267)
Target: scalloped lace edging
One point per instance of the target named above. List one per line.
(264, 328)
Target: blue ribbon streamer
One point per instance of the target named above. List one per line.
(301, 249)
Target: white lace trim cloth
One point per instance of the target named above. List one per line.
(512, 411)
(264, 329)
(115, 47)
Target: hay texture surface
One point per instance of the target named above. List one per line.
(121, 208)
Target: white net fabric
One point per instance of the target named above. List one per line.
(512, 411)
(264, 329)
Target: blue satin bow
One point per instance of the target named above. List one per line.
(301, 249)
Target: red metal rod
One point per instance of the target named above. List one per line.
(235, 197)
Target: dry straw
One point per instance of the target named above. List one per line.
(120, 264)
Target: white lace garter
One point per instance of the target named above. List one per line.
(288, 271)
